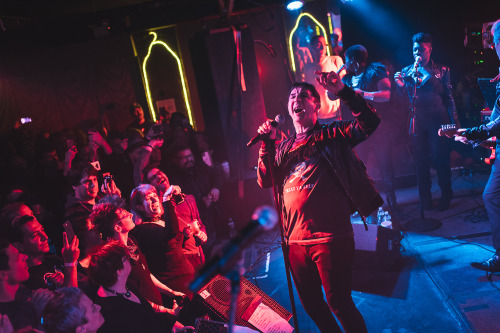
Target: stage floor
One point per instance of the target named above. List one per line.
(431, 288)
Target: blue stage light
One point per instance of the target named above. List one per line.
(294, 4)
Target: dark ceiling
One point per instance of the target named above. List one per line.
(35, 10)
(33, 23)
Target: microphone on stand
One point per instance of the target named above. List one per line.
(279, 120)
(418, 60)
(264, 218)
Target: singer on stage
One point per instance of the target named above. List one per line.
(434, 106)
(320, 182)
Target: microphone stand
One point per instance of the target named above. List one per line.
(234, 277)
(284, 246)
(421, 224)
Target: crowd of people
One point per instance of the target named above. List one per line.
(94, 237)
(133, 215)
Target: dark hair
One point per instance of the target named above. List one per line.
(105, 261)
(104, 216)
(145, 173)
(178, 148)
(134, 106)
(178, 119)
(78, 171)
(114, 199)
(4, 257)
(309, 87)
(63, 314)
(15, 231)
(8, 213)
(315, 38)
(358, 53)
(422, 37)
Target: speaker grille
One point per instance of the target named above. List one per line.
(217, 296)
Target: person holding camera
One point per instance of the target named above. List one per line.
(83, 177)
(46, 271)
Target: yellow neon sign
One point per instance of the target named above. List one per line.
(290, 39)
(330, 23)
(181, 73)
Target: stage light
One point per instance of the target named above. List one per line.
(181, 73)
(294, 5)
(290, 37)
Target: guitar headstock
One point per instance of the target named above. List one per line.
(448, 130)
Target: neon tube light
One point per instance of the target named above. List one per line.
(290, 39)
(330, 23)
(181, 73)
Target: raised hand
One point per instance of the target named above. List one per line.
(398, 78)
(156, 143)
(110, 188)
(214, 194)
(70, 252)
(330, 81)
(97, 138)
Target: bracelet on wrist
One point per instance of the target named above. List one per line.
(71, 264)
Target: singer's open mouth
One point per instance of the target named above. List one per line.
(298, 110)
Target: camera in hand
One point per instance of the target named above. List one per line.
(178, 198)
(156, 131)
(107, 178)
(179, 300)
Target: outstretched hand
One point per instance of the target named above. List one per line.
(330, 81)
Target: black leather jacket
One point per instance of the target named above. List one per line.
(335, 141)
(442, 73)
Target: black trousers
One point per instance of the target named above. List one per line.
(430, 149)
(327, 265)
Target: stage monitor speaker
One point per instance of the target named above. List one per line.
(217, 297)
(380, 245)
(209, 326)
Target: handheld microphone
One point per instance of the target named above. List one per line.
(264, 218)
(340, 69)
(279, 120)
